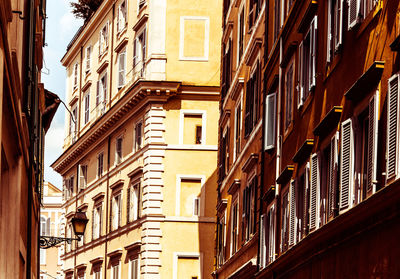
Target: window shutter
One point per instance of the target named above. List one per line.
(229, 65)
(249, 108)
(292, 216)
(134, 53)
(121, 69)
(300, 93)
(262, 241)
(329, 33)
(339, 24)
(144, 47)
(101, 220)
(128, 204)
(333, 168)
(392, 127)
(346, 164)
(354, 10)
(306, 198)
(93, 221)
(98, 93)
(271, 235)
(105, 89)
(314, 192)
(48, 223)
(256, 93)
(372, 144)
(313, 53)
(270, 114)
(81, 178)
(111, 214)
(106, 34)
(119, 210)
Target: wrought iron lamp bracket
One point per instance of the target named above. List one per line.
(50, 241)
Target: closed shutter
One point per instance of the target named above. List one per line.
(128, 204)
(106, 33)
(306, 199)
(111, 214)
(353, 12)
(98, 93)
(338, 24)
(270, 114)
(271, 235)
(248, 120)
(333, 168)
(392, 127)
(119, 210)
(93, 221)
(121, 69)
(346, 164)
(300, 93)
(135, 58)
(329, 33)
(81, 177)
(105, 88)
(314, 192)
(372, 144)
(292, 217)
(313, 53)
(101, 220)
(228, 66)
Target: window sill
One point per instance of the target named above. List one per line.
(103, 54)
(122, 31)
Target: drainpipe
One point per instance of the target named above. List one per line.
(107, 206)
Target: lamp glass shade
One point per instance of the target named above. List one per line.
(79, 222)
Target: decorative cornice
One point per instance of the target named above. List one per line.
(140, 22)
(136, 171)
(133, 246)
(117, 184)
(98, 196)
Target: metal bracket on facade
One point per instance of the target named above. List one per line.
(19, 14)
(50, 241)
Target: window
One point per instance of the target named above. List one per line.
(241, 34)
(292, 213)
(118, 150)
(234, 226)
(82, 176)
(188, 196)
(224, 153)
(285, 221)
(97, 220)
(303, 202)
(97, 272)
(267, 251)
(42, 256)
(103, 41)
(69, 235)
(101, 95)
(198, 134)
(277, 19)
(192, 127)
(335, 25)
(270, 121)
(248, 214)
(134, 201)
(392, 136)
(43, 226)
(252, 102)
(226, 68)
(139, 53)
(359, 9)
(68, 187)
(314, 192)
(307, 63)
(100, 162)
(238, 129)
(221, 240)
(346, 165)
(115, 271)
(254, 7)
(88, 62)
(138, 136)
(121, 68)
(116, 211)
(134, 268)
(86, 112)
(75, 75)
(289, 97)
(121, 22)
(142, 3)
(72, 123)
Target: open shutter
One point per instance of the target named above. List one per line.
(106, 33)
(48, 224)
(306, 198)
(372, 144)
(105, 89)
(346, 164)
(338, 24)
(392, 127)
(247, 119)
(121, 69)
(314, 192)
(329, 33)
(128, 204)
(135, 58)
(81, 177)
(256, 90)
(313, 53)
(144, 47)
(93, 221)
(300, 93)
(119, 210)
(333, 168)
(111, 214)
(292, 216)
(270, 114)
(353, 13)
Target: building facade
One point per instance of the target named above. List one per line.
(26, 111)
(52, 223)
(140, 152)
(327, 201)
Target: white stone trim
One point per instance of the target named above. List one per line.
(179, 178)
(206, 38)
(186, 255)
(203, 114)
(197, 147)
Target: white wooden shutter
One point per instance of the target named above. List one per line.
(314, 192)
(292, 216)
(98, 93)
(346, 165)
(392, 127)
(262, 241)
(372, 144)
(271, 235)
(338, 24)
(81, 177)
(270, 115)
(313, 53)
(353, 12)
(121, 69)
(135, 58)
(329, 33)
(300, 93)
(333, 167)
(105, 89)
(106, 34)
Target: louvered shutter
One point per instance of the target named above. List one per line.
(97, 93)
(93, 221)
(229, 66)
(48, 224)
(300, 92)
(372, 144)
(119, 210)
(346, 164)
(144, 47)
(313, 53)
(353, 13)
(306, 217)
(270, 114)
(262, 241)
(121, 69)
(101, 220)
(247, 119)
(292, 216)
(106, 33)
(329, 33)
(333, 168)
(271, 235)
(256, 93)
(135, 58)
(392, 127)
(105, 88)
(111, 214)
(314, 192)
(128, 204)
(338, 24)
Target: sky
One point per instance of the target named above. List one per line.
(61, 26)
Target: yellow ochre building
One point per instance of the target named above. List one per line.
(140, 149)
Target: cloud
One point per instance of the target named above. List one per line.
(68, 25)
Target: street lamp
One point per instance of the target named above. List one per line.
(79, 222)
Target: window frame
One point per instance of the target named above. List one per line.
(88, 61)
(119, 151)
(238, 127)
(182, 114)
(124, 13)
(86, 111)
(121, 80)
(234, 232)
